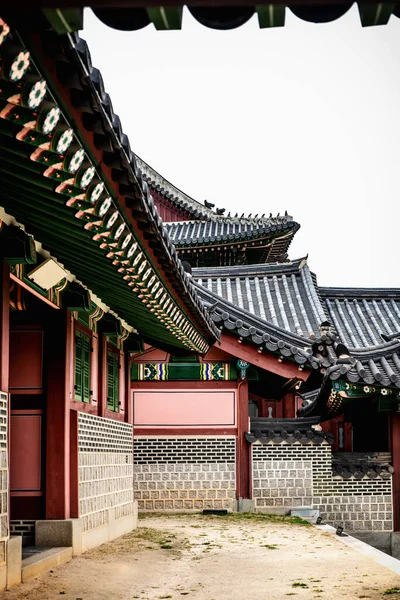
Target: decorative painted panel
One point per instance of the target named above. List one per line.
(183, 372)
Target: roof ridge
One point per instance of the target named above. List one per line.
(150, 175)
(153, 177)
(353, 291)
(246, 270)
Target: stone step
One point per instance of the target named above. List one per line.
(305, 513)
(40, 562)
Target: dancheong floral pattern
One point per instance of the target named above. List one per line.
(51, 120)
(96, 192)
(65, 141)
(37, 94)
(4, 31)
(75, 161)
(86, 177)
(19, 66)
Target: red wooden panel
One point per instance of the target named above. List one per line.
(25, 451)
(26, 359)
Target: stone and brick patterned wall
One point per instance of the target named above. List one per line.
(4, 533)
(296, 475)
(105, 455)
(185, 473)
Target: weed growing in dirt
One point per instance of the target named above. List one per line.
(247, 516)
(270, 546)
(299, 584)
(393, 590)
(261, 517)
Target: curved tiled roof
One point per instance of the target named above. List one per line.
(77, 86)
(285, 295)
(380, 365)
(126, 161)
(161, 185)
(361, 316)
(194, 233)
(280, 307)
(287, 431)
(263, 334)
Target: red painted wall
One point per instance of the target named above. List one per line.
(184, 408)
(167, 209)
(26, 359)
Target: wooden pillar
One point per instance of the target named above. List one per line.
(74, 465)
(128, 391)
(395, 448)
(94, 371)
(5, 326)
(243, 489)
(289, 406)
(58, 364)
(102, 375)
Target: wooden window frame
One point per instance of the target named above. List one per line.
(113, 403)
(86, 335)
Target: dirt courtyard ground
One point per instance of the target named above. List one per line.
(235, 557)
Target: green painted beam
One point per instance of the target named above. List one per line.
(271, 15)
(164, 18)
(64, 20)
(375, 14)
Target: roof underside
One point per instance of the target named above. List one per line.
(229, 14)
(55, 182)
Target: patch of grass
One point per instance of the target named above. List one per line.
(270, 546)
(168, 596)
(261, 517)
(393, 590)
(166, 546)
(299, 584)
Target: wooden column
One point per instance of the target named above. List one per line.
(289, 405)
(94, 371)
(58, 364)
(243, 489)
(5, 326)
(128, 391)
(74, 465)
(395, 449)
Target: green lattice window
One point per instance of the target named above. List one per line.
(82, 367)
(112, 381)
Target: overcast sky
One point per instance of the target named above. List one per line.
(304, 118)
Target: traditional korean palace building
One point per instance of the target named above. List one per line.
(295, 407)
(157, 353)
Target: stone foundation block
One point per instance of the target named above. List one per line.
(55, 534)
(14, 561)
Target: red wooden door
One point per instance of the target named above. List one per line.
(26, 472)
